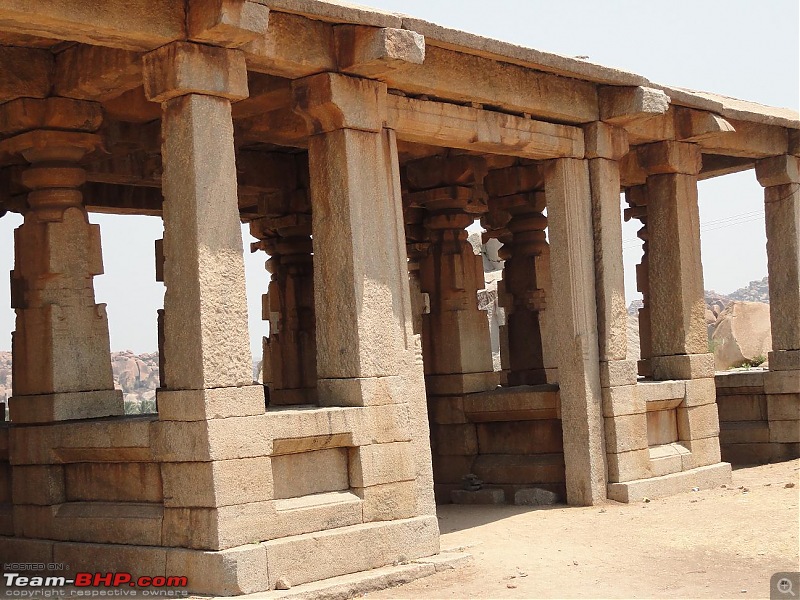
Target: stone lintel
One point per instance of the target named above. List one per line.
(375, 52)
(329, 101)
(778, 170)
(670, 157)
(182, 68)
(96, 72)
(605, 141)
(621, 105)
(227, 23)
(25, 114)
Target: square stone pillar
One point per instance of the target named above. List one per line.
(367, 352)
(62, 364)
(569, 215)
(208, 393)
(628, 455)
(677, 303)
(780, 176)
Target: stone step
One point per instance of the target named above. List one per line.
(317, 512)
(704, 478)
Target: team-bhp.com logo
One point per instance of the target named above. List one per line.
(20, 584)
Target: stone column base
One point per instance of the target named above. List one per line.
(249, 568)
(46, 408)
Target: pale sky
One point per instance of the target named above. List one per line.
(747, 49)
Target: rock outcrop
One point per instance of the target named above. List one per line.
(741, 335)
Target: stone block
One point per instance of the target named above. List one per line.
(218, 528)
(350, 549)
(782, 382)
(683, 366)
(217, 483)
(182, 68)
(319, 512)
(12, 550)
(614, 373)
(536, 497)
(743, 432)
(515, 403)
(40, 484)
(662, 427)
(361, 391)
(114, 482)
(25, 114)
(32, 521)
(330, 101)
(217, 439)
(460, 440)
(240, 570)
(229, 23)
(698, 422)
(133, 523)
(700, 392)
(372, 53)
(741, 379)
(783, 407)
(484, 496)
(523, 437)
(778, 170)
(624, 104)
(388, 501)
(656, 391)
(622, 400)
(759, 454)
(213, 403)
(66, 406)
(105, 558)
(605, 141)
(313, 472)
(446, 410)
(784, 360)
(670, 157)
(499, 469)
(377, 464)
(705, 478)
(451, 468)
(627, 466)
(461, 383)
(5, 483)
(785, 432)
(625, 433)
(742, 407)
(703, 451)
(664, 465)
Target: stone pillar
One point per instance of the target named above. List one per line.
(780, 176)
(569, 214)
(208, 393)
(62, 364)
(678, 331)
(636, 197)
(677, 304)
(455, 338)
(624, 413)
(290, 353)
(367, 353)
(515, 192)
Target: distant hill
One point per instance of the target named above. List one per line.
(755, 291)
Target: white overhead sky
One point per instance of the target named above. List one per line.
(742, 48)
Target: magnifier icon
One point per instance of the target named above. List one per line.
(785, 587)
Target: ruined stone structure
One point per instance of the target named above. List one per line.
(358, 145)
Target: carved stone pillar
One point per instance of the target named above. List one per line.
(455, 340)
(516, 192)
(290, 353)
(636, 197)
(62, 365)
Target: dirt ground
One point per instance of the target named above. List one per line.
(720, 543)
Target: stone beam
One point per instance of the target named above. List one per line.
(267, 93)
(228, 23)
(122, 199)
(463, 77)
(129, 24)
(27, 72)
(749, 140)
(292, 47)
(623, 105)
(376, 52)
(439, 123)
(282, 127)
(96, 73)
(132, 107)
(715, 165)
